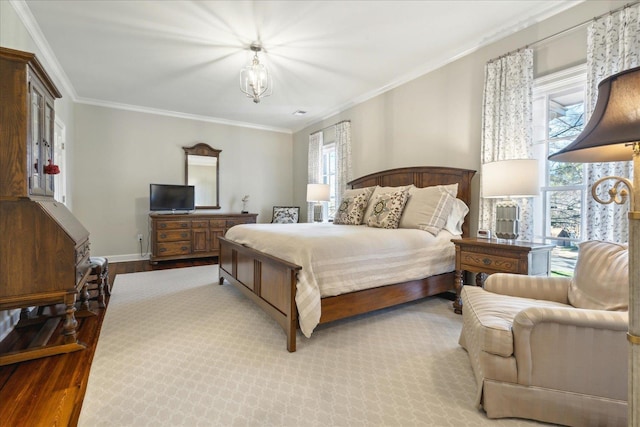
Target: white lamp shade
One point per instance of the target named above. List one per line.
(510, 178)
(317, 192)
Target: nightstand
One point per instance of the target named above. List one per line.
(486, 256)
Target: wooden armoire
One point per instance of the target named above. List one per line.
(44, 249)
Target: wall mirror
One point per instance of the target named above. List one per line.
(202, 170)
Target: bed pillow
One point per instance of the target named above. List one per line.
(456, 217)
(387, 209)
(601, 278)
(351, 209)
(355, 191)
(347, 213)
(378, 191)
(428, 208)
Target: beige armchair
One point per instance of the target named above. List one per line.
(553, 349)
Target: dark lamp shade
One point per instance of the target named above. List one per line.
(614, 124)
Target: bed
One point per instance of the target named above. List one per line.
(271, 281)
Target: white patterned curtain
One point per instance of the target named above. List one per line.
(315, 160)
(613, 45)
(507, 126)
(344, 173)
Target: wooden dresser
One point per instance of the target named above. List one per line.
(44, 249)
(195, 235)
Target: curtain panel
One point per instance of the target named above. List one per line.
(344, 173)
(613, 45)
(314, 163)
(507, 127)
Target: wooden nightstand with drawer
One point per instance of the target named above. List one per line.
(487, 256)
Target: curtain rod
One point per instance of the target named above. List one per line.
(566, 31)
(327, 127)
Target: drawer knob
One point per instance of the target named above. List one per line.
(163, 225)
(184, 248)
(184, 235)
(163, 235)
(486, 261)
(183, 225)
(163, 249)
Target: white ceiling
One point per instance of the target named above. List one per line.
(185, 56)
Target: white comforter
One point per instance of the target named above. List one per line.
(337, 259)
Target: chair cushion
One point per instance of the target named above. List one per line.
(601, 277)
(493, 316)
(285, 214)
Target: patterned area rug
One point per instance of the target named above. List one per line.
(177, 349)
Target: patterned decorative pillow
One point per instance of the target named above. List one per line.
(285, 214)
(387, 209)
(601, 277)
(376, 192)
(351, 210)
(352, 206)
(428, 208)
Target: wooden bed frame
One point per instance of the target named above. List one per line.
(271, 282)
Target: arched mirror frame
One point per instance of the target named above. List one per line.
(202, 149)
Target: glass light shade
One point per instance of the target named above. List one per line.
(614, 124)
(317, 192)
(510, 178)
(255, 80)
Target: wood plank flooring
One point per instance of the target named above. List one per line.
(49, 391)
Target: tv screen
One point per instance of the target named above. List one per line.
(164, 197)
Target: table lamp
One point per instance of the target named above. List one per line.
(506, 179)
(317, 193)
(612, 135)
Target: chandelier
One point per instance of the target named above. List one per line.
(255, 80)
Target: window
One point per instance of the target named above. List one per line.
(59, 180)
(328, 175)
(558, 117)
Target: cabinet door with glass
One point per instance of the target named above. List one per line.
(40, 139)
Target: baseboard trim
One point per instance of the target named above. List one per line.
(126, 257)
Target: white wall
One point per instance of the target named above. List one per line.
(119, 153)
(436, 119)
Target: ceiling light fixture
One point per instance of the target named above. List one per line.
(255, 80)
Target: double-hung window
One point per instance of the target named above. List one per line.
(558, 118)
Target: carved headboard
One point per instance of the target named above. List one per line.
(423, 176)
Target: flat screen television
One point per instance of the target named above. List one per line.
(166, 197)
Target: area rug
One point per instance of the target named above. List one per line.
(177, 349)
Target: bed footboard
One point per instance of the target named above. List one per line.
(267, 280)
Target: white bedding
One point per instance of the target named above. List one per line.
(337, 259)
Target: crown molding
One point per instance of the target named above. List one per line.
(47, 56)
(52, 65)
(179, 115)
(553, 9)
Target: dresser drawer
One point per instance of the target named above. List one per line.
(174, 248)
(173, 235)
(82, 252)
(172, 225)
(489, 262)
(217, 223)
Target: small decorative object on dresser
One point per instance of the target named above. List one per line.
(245, 202)
(486, 256)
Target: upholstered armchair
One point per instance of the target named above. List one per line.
(553, 349)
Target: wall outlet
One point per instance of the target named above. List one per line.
(139, 237)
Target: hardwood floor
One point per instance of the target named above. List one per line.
(49, 391)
